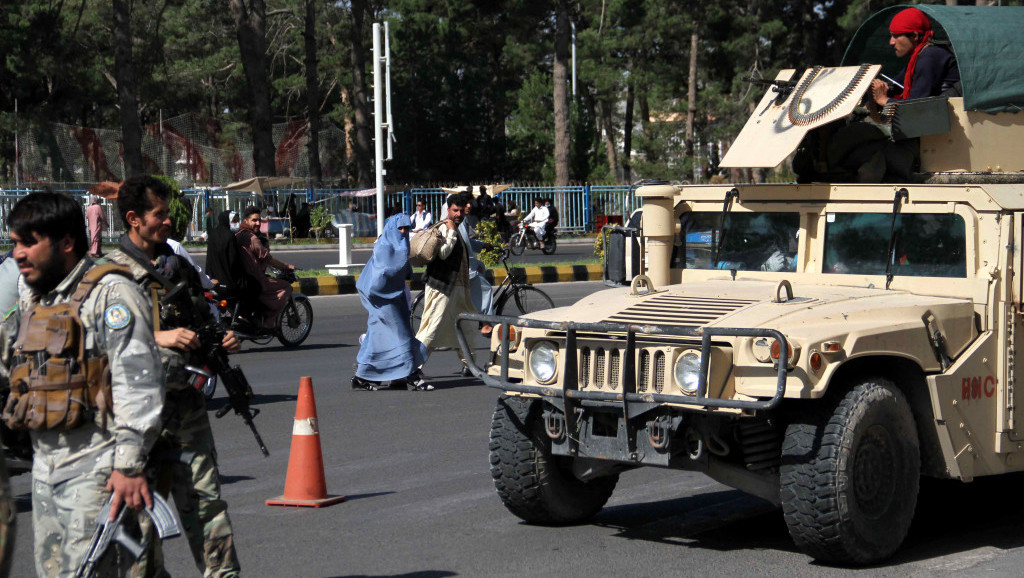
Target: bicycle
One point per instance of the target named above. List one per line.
(513, 289)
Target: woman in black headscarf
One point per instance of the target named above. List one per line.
(223, 257)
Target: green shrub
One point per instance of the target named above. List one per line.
(319, 218)
(487, 231)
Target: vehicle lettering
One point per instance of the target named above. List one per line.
(976, 387)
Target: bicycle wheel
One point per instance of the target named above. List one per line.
(525, 299)
(416, 312)
(517, 244)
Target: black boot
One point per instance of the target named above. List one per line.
(367, 385)
(415, 382)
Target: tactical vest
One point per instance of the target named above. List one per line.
(54, 384)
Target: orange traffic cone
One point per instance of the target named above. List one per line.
(305, 485)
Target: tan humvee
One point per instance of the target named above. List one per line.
(820, 345)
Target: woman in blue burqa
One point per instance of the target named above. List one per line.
(390, 351)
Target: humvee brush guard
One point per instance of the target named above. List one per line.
(821, 345)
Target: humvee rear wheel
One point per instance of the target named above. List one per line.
(533, 484)
(849, 478)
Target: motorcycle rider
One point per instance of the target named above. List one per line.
(143, 203)
(274, 293)
(537, 219)
(549, 231)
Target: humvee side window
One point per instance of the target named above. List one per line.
(926, 245)
(751, 241)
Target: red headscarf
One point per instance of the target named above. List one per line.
(906, 22)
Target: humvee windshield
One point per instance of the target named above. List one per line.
(751, 241)
(926, 245)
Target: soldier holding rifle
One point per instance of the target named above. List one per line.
(143, 204)
(85, 379)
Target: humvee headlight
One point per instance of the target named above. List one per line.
(543, 361)
(762, 349)
(687, 372)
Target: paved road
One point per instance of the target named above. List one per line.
(319, 258)
(421, 503)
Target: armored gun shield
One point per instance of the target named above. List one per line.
(780, 121)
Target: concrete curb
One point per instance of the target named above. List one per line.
(346, 284)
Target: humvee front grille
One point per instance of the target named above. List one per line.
(659, 371)
(613, 372)
(644, 378)
(601, 368)
(679, 310)
(585, 367)
(599, 373)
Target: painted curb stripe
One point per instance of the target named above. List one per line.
(346, 284)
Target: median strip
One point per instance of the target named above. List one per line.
(346, 284)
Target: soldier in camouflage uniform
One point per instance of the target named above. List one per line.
(82, 453)
(143, 203)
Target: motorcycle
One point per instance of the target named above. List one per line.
(525, 238)
(244, 316)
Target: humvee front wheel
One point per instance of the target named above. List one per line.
(534, 485)
(849, 478)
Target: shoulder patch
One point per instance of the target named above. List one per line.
(11, 310)
(117, 316)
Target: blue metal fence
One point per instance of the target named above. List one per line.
(581, 208)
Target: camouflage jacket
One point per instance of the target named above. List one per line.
(117, 318)
(174, 360)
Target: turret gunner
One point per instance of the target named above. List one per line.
(932, 68)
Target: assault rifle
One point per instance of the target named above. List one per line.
(215, 358)
(109, 531)
(783, 87)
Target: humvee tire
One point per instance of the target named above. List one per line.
(533, 484)
(849, 479)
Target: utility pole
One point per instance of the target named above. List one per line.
(17, 155)
(381, 108)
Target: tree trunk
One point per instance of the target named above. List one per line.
(131, 127)
(251, 29)
(645, 112)
(691, 94)
(609, 138)
(561, 93)
(360, 102)
(627, 133)
(312, 95)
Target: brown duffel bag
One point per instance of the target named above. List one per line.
(425, 246)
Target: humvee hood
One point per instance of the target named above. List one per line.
(815, 312)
